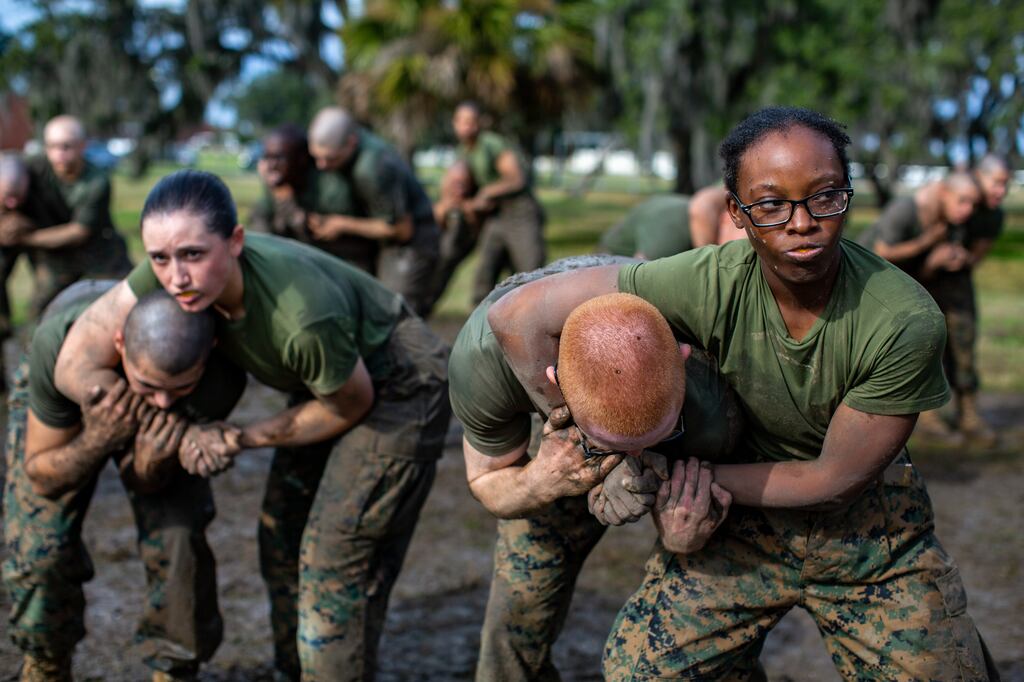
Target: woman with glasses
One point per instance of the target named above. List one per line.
(832, 353)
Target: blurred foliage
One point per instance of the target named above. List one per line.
(276, 98)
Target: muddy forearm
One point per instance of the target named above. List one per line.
(305, 424)
(58, 470)
(57, 237)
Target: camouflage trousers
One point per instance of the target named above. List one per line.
(408, 269)
(886, 597)
(536, 562)
(511, 238)
(954, 292)
(458, 239)
(47, 563)
(338, 517)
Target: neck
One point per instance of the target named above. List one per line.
(231, 302)
(803, 297)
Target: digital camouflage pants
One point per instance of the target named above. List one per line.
(338, 517)
(47, 563)
(886, 597)
(954, 292)
(511, 238)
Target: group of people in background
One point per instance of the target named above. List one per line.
(754, 397)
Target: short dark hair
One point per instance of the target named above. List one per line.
(198, 192)
(470, 104)
(173, 340)
(755, 127)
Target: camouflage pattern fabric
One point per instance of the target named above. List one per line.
(512, 237)
(338, 517)
(536, 563)
(885, 595)
(954, 292)
(47, 562)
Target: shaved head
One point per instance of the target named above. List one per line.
(13, 181)
(993, 175)
(992, 163)
(331, 128)
(66, 128)
(620, 368)
(64, 140)
(958, 197)
(161, 334)
(958, 179)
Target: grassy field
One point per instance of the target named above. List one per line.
(574, 226)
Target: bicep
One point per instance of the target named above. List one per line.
(40, 437)
(479, 465)
(859, 445)
(508, 167)
(354, 396)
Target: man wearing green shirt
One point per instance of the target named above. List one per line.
(512, 231)
(297, 198)
(545, 531)
(391, 206)
(666, 225)
(71, 232)
(933, 235)
(832, 353)
(55, 451)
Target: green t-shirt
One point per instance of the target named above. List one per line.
(85, 201)
(308, 316)
(322, 193)
(898, 223)
(877, 346)
(984, 223)
(215, 396)
(656, 228)
(483, 159)
(385, 187)
(495, 409)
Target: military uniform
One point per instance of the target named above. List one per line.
(458, 239)
(656, 228)
(47, 563)
(513, 234)
(886, 597)
(384, 187)
(337, 516)
(537, 559)
(86, 201)
(322, 193)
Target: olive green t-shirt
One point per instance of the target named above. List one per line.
(483, 159)
(984, 223)
(214, 397)
(897, 223)
(495, 409)
(385, 187)
(322, 193)
(877, 347)
(656, 228)
(308, 319)
(85, 201)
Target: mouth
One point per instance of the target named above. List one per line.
(188, 296)
(804, 252)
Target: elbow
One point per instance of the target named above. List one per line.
(78, 236)
(43, 485)
(403, 230)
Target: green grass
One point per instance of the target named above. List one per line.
(575, 225)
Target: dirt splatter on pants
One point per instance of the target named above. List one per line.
(536, 562)
(886, 597)
(338, 517)
(512, 237)
(47, 562)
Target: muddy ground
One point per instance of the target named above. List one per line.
(433, 624)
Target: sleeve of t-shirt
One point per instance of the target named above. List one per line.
(482, 389)
(684, 288)
(93, 203)
(141, 280)
(384, 191)
(323, 354)
(49, 405)
(896, 223)
(907, 374)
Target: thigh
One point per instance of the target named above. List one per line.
(522, 223)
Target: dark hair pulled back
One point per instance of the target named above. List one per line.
(198, 192)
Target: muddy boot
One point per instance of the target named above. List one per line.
(931, 423)
(36, 669)
(971, 424)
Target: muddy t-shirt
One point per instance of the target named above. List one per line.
(85, 201)
(877, 347)
(308, 318)
(495, 409)
(898, 223)
(482, 158)
(984, 223)
(657, 228)
(324, 194)
(214, 397)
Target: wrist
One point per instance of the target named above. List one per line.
(539, 492)
(253, 437)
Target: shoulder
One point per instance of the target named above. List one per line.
(494, 143)
(888, 296)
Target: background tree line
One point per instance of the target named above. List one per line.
(915, 80)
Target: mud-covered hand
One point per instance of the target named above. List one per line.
(110, 417)
(560, 469)
(209, 448)
(690, 507)
(13, 227)
(158, 441)
(629, 491)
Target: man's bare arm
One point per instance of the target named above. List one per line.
(335, 225)
(57, 236)
(706, 208)
(512, 179)
(88, 357)
(979, 250)
(858, 447)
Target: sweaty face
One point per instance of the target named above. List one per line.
(156, 387)
(958, 202)
(791, 165)
(466, 123)
(994, 186)
(64, 150)
(192, 263)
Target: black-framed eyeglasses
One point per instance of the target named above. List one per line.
(775, 212)
(662, 447)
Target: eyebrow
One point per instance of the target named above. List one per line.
(826, 177)
(166, 388)
(185, 247)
